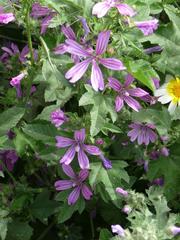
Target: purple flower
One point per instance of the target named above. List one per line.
(62, 48)
(158, 182)
(122, 192)
(93, 57)
(126, 93)
(39, 11)
(100, 9)
(85, 26)
(156, 82)
(175, 230)
(58, 118)
(126, 209)
(44, 13)
(147, 27)
(9, 158)
(13, 50)
(5, 18)
(77, 145)
(155, 154)
(143, 133)
(118, 230)
(164, 151)
(164, 138)
(106, 162)
(16, 82)
(153, 49)
(45, 22)
(76, 182)
(100, 141)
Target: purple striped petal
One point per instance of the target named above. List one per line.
(133, 134)
(45, 23)
(93, 150)
(147, 27)
(83, 174)
(73, 196)
(128, 80)
(8, 50)
(100, 9)
(114, 84)
(97, 80)
(80, 135)
(86, 192)
(102, 42)
(68, 32)
(63, 142)
(77, 71)
(76, 48)
(112, 63)
(132, 103)
(63, 185)
(68, 156)
(119, 103)
(67, 169)
(137, 92)
(83, 160)
(5, 18)
(60, 49)
(125, 10)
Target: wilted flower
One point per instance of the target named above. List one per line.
(118, 230)
(5, 18)
(76, 182)
(122, 192)
(93, 57)
(100, 141)
(126, 93)
(153, 49)
(147, 27)
(16, 82)
(58, 117)
(13, 50)
(106, 162)
(175, 230)
(100, 9)
(158, 182)
(170, 92)
(8, 158)
(77, 145)
(126, 209)
(164, 151)
(44, 13)
(142, 132)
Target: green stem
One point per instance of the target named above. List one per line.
(28, 29)
(92, 226)
(43, 234)
(8, 172)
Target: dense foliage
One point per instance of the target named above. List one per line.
(89, 119)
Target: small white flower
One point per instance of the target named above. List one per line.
(170, 92)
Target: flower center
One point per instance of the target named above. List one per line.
(173, 88)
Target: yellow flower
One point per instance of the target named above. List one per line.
(170, 92)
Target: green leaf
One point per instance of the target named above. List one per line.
(102, 106)
(41, 130)
(19, 230)
(42, 207)
(143, 72)
(3, 223)
(110, 178)
(66, 211)
(10, 118)
(97, 120)
(112, 128)
(105, 234)
(168, 37)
